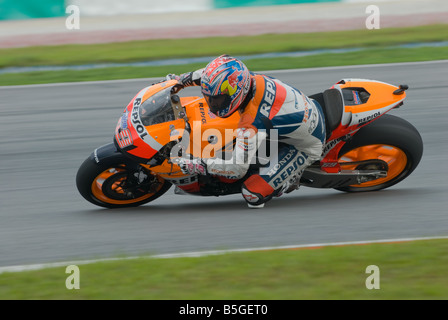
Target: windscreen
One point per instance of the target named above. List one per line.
(157, 109)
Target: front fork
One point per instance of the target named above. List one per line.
(137, 176)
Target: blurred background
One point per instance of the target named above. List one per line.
(26, 22)
(65, 80)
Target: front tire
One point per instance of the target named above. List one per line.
(113, 184)
(389, 138)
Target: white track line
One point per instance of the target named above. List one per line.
(43, 85)
(207, 253)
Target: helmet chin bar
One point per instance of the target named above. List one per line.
(218, 103)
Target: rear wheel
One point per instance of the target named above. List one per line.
(390, 139)
(118, 184)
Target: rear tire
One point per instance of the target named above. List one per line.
(102, 184)
(391, 139)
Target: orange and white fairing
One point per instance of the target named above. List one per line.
(209, 134)
(380, 100)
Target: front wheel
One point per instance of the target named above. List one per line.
(118, 184)
(390, 139)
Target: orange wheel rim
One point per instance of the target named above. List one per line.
(395, 158)
(97, 188)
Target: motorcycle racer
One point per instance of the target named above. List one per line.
(264, 104)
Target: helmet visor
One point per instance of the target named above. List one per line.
(218, 104)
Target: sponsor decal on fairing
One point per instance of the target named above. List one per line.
(124, 138)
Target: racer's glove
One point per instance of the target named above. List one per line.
(184, 80)
(188, 79)
(191, 166)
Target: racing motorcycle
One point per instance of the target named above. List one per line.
(366, 149)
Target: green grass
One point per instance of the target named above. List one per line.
(369, 56)
(409, 270)
(375, 43)
(181, 48)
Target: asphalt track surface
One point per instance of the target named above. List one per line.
(48, 130)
